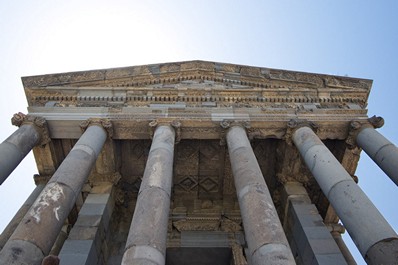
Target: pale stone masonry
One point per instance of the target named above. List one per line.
(196, 163)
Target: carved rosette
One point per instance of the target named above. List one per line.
(39, 123)
(295, 124)
(104, 123)
(357, 125)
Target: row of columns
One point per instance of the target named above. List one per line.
(36, 233)
(146, 243)
(374, 237)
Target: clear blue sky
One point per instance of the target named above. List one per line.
(354, 38)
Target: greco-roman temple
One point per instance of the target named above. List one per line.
(197, 163)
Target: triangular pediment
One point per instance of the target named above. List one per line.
(214, 80)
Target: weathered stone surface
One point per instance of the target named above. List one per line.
(148, 230)
(263, 230)
(199, 95)
(381, 150)
(15, 148)
(361, 218)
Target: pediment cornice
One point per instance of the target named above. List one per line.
(180, 71)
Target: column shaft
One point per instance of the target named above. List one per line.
(367, 227)
(38, 230)
(15, 148)
(19, 215)
(265, 237)
(381, 150)
(146, 242)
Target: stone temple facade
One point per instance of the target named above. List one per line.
(196, 163)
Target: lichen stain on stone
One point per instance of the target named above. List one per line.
(48, 198)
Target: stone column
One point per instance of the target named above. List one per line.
(382, 151)
(40, 184)
(264, 234)
(146, 242)
(18, 145)
(374, 237)
(38, 230)
(309, 238)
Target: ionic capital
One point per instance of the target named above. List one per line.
(39, 123)
(175, 124)
(104, 123)
(295, 124)
(357, 125)
(226, 124)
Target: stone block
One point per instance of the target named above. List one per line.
(88, 220)
(83, 233)
(324, 246)
(328, 259)
(97, 198)
(317, 232)
(102, 188)
(78, 252)
(92, 209)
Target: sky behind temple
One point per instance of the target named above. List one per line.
(349, 38)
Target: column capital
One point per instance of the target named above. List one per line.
(175, 124)
(104, 123)
(227, 124)
(357, 125)
(40, 124)
(295, 124)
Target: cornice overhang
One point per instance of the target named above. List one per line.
(233, 77)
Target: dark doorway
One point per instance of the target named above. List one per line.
(198, 256)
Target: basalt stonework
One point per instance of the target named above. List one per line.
(197, 163)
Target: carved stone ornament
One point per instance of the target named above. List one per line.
(357, 125)
(239, 257)
(376, 121)
(175, 124)
(295, 124)
(177, 127)
(226, 124)
(197, 224)
(41, 179)
(39, 123)
(104, 123)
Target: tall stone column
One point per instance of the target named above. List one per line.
(264, 234)
(5, 235)
(32, 131)
(381, 150)
(146, 242)
(38, 230)
(374, 237)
